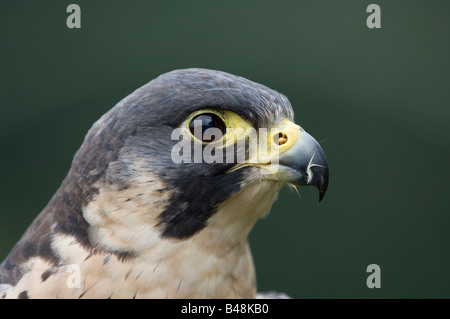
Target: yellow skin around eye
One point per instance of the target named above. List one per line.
(232, 121)
(239, 129)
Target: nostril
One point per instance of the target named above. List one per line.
(280, 138)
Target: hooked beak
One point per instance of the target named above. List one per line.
(305, 164)
(301, 160)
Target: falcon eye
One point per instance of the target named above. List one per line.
(210, 123)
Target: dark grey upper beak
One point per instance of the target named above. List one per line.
(307, 164)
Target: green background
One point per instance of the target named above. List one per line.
(378, 100)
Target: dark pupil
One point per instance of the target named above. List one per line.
(201, 123)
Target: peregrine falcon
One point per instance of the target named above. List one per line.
(141, 215)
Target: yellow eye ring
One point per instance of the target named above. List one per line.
(207, 126)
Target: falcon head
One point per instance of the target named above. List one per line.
(171, 180)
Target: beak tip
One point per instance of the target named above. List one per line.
(323, 186)
(321, 194)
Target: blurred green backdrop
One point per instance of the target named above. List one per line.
(378, 100)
